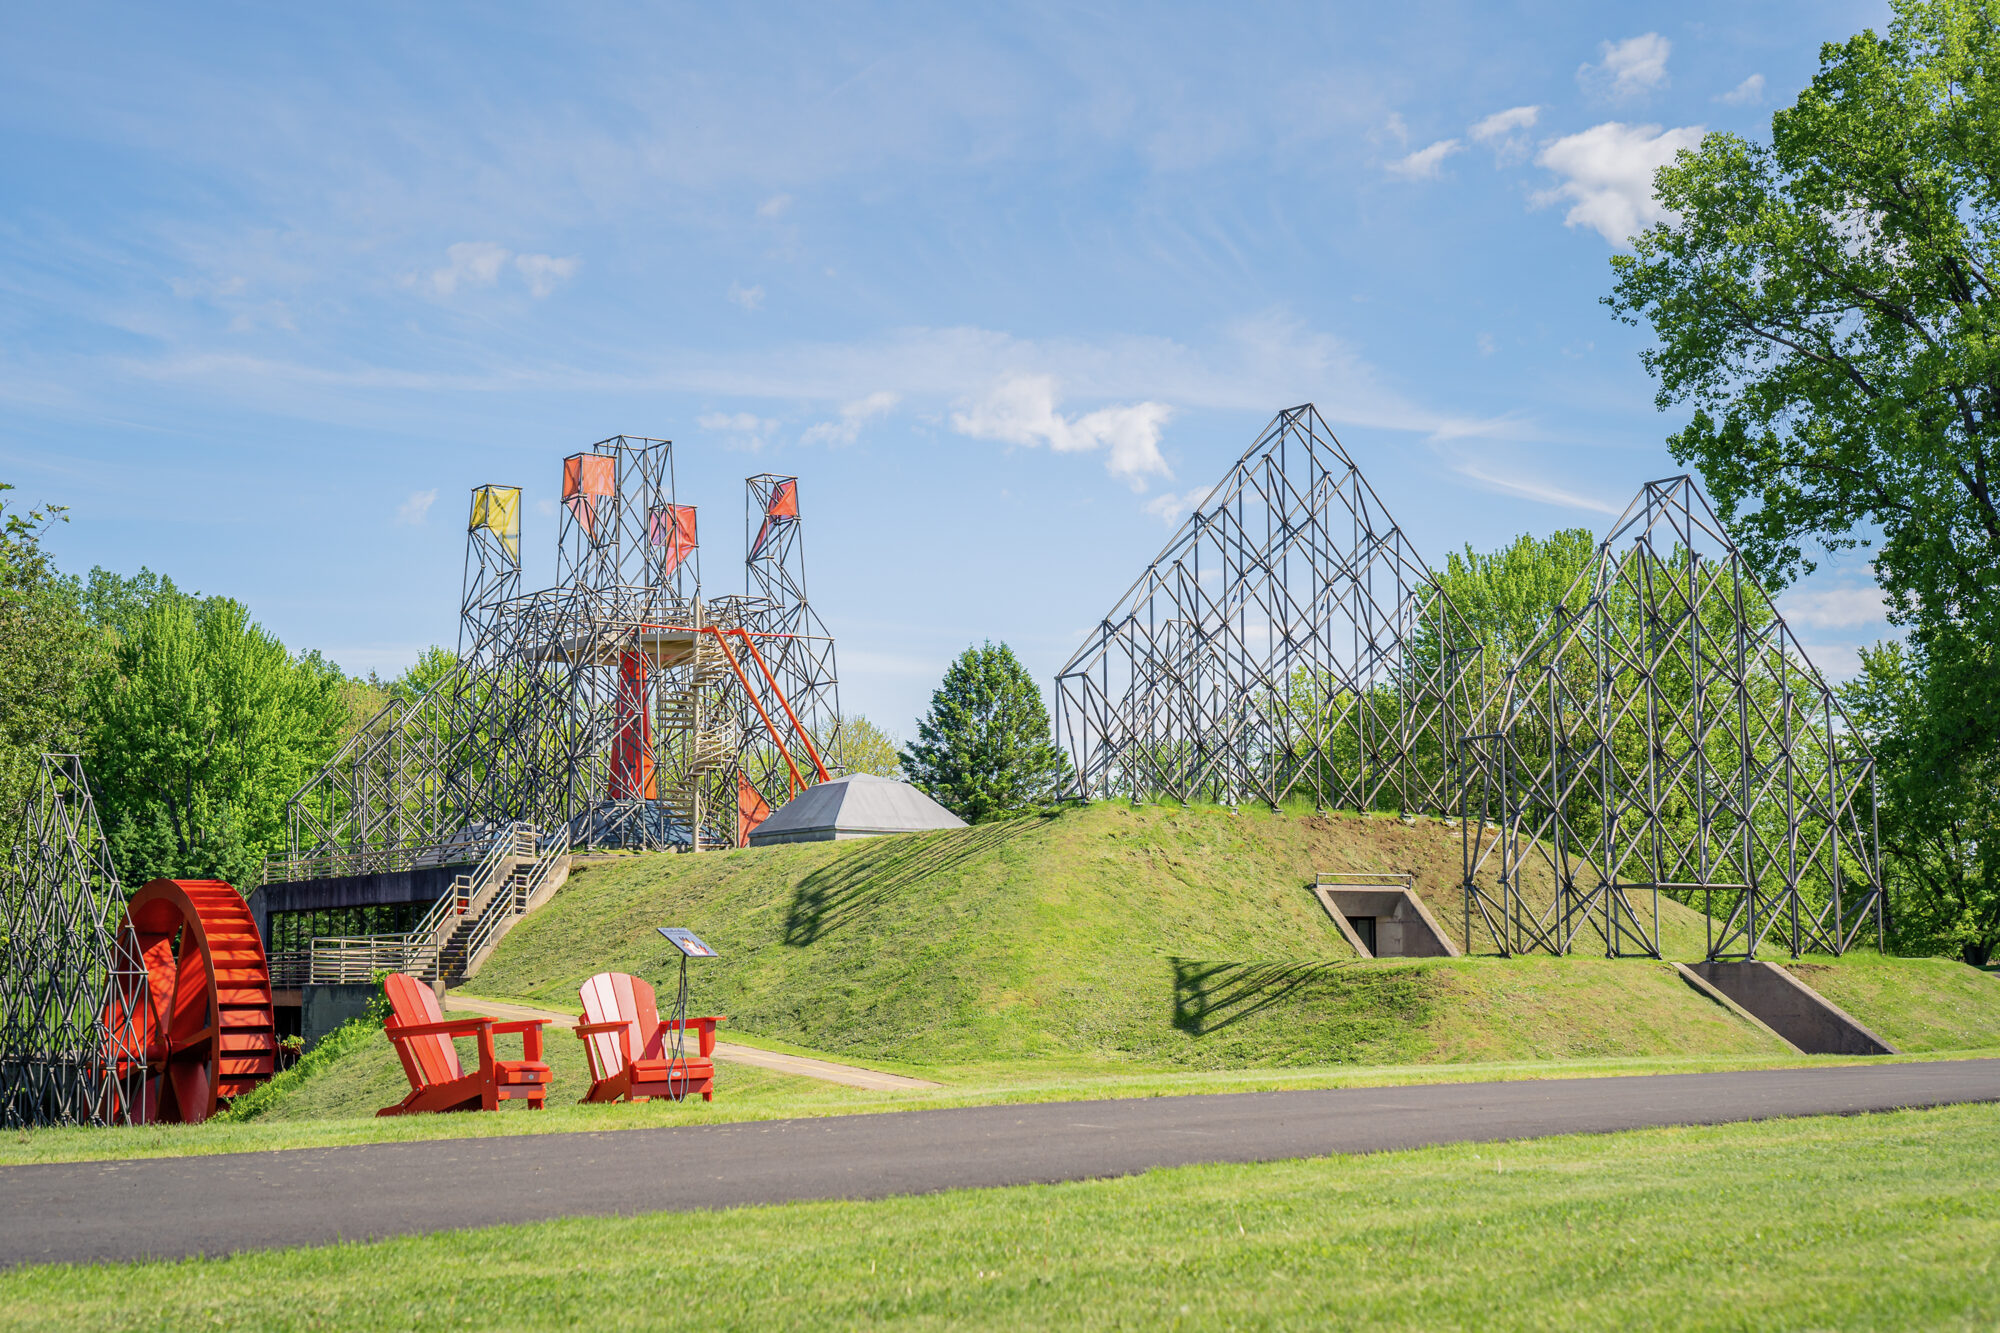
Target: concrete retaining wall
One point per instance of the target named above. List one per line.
(1792, 1009)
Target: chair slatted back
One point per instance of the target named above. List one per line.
(414, 1003)
(614, 997)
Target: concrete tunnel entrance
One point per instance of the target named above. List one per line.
(1381, 915)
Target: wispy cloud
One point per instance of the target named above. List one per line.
(480, 264)
(1834, 608)
(853, 416)
(1505, 132)
(746, 430)
(469, 264)
(1747, 93)
(1170, 507)
(1021, 409)
(1608, 175)
(1635, 65)
(750, 298)
(775, 206)
(413, 509)
(1426, 163)
(1529, 488)
(545, 272)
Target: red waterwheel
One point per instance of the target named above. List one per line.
(205, 1025)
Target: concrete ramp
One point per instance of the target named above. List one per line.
(1792, 1009)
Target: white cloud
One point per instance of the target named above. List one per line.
(1635, 65)
(1021, 409)
(469, 263)
(1504, 132)
(1608, 172)
(1527, 488)
(1503, 123)
(751, 431)
(775, 206)
(1747, 93)
(1426, 163)
(545, 272)
(1170, 507)
(750, 298)
(1395, 129)
(1486, 344)
(412, 510)
(852, 417)
(1834, 608)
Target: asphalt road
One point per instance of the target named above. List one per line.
(172, 1207)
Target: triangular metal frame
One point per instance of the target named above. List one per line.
(1288, 642)
(1666, 732)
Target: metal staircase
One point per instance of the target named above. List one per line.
(699, 714)
(520, 870)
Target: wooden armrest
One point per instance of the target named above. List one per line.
(672, 1023)
(521, 1025)
(593, 1029)
(451, 1027)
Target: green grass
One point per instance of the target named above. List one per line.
(1881, 1221)
(1151, 939)
(1914, 1004)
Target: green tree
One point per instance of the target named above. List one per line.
(1827, 304)
(1940, 807)
(983, 750)
(47, 653)
(201, 727)
(866, 748)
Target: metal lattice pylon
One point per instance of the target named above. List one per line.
(1289, 641)
(71, 980)
(794, 642)
(1665, 732)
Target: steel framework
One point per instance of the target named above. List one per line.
(71, 980)
(617, 704)
(1665, 732)
(794, 641)
(1288, 641)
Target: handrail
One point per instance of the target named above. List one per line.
(491, 923)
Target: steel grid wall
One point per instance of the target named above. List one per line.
(1667, 733)
(1288, 641)
(71, 979)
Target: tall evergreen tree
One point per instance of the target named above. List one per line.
(983, 751)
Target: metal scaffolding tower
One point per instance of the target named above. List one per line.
(1667, 733)
(1288, 642)
(616, 704)
(72, 982)
(794, 642)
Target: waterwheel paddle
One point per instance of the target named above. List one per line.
(205, 1024)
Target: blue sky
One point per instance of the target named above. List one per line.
(1004, 288)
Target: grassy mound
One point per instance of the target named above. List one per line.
(1914, 1004)
(1149, 938)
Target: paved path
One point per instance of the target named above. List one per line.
(854, 1076)
(170, 1207)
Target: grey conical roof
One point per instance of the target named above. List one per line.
(859, 805)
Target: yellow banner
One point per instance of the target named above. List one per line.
(498, 509)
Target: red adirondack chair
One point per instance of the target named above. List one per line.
(437, 1081)
(629, 1045)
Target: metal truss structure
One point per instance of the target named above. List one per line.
(796, 645)
(72, 982)
(618, 704)
(1288, 643)
(1665, 732)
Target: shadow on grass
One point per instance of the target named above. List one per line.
(1209, 997)
(858, 883)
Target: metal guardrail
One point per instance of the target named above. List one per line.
(367, 861)
(419, 951)
(492, 922)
